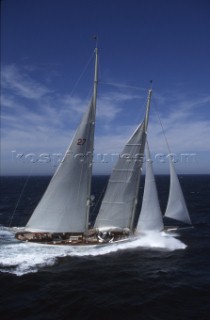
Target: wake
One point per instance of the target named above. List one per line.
(20, 258)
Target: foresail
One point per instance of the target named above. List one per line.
(151, 216)
(118, 202)
(176, 207)
(63, 207)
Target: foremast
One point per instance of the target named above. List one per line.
(145, 123)
(120, 200)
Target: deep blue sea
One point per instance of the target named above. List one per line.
(155, 277)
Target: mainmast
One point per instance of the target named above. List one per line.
(95, 77)
(94, 98)
(146, 119)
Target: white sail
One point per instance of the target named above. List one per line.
(64, 206)
(119, 203)
(176, 206)
(151, 216)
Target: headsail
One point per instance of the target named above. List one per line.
(120, 199)
(64, 206)
(151, 216)
(176, 206)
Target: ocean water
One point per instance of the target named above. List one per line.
(157, 276)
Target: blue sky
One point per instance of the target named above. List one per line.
(47, 72)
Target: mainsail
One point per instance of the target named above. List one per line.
(176, 206)
(151, 216)
(120, 200)
(64, 206)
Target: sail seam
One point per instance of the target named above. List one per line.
(119, 181)
(123, 170)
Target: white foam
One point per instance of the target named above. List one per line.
(20, 258)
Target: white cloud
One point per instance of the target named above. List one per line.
(45, 123)
(21, 83)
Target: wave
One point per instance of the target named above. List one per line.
(20, 258)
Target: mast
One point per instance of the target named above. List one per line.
(95, 89)
(64, 207)
(146, 120)
(147, 109)
(119, 203)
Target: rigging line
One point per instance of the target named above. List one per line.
(80, 77)
(21, 194)
(122, 85)
(163, 131)
(90, 88)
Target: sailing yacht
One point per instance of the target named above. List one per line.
(62, 215)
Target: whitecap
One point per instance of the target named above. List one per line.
(20, 258)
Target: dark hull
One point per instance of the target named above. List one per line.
(92, 238)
